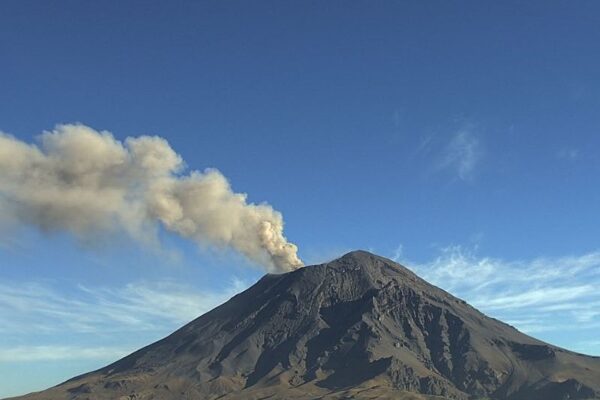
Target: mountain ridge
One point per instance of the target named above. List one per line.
(360, 326)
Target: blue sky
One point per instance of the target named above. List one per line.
(458, 138)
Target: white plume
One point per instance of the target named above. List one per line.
(88, 183)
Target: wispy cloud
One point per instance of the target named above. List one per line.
(398, 253)
(568, 153)
(53, 353)
(535, 297)
(134, 307)
(462, 154)
(543, 294)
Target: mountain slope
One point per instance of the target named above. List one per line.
(359, 327)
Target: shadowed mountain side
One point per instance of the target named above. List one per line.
(360, 327)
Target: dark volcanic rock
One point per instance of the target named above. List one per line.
(359, 327)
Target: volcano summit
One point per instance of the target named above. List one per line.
(359, 327)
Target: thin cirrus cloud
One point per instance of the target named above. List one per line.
(55, 353)
(462, 154)
(104, 315)
(568, 153)
(536, 297)
(539, 295)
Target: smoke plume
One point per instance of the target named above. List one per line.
(87, 183)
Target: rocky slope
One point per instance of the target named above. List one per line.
(359, 327)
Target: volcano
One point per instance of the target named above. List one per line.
(359, 327)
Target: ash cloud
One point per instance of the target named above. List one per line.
(87, 183)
